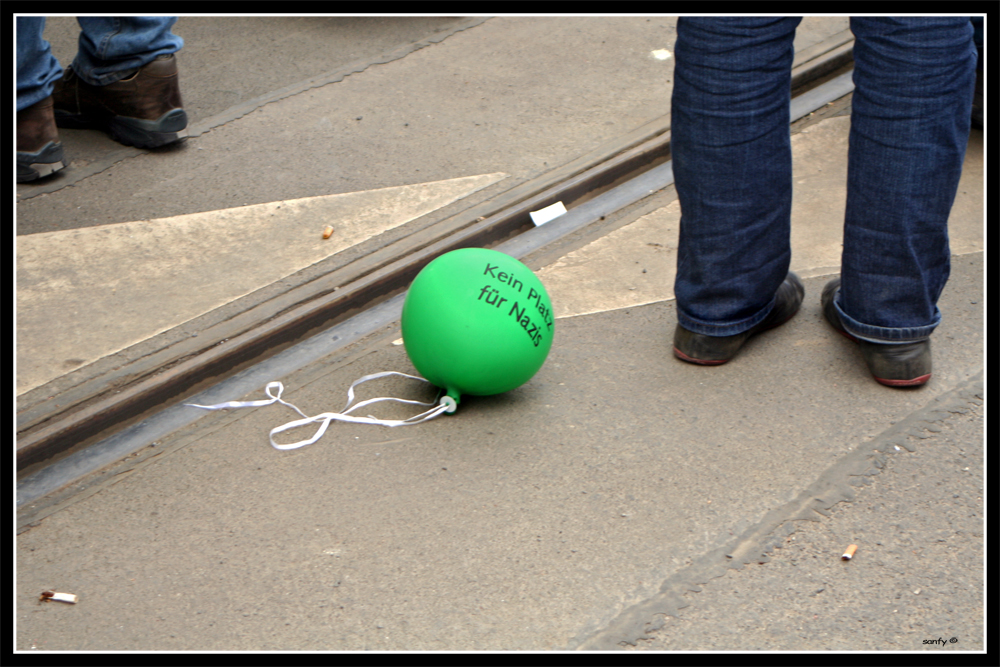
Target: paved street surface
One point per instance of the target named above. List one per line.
(621, 500)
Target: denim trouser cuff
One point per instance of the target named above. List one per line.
(729, 329)
(885, 335)
(110, 49)
(85, 68)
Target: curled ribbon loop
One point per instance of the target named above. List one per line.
(446, 404)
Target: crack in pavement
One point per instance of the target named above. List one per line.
(834, 486)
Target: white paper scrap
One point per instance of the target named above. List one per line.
(548, 213)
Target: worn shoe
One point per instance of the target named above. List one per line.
(142, 110)
(714, 350)
(894, 365)
(39, 151)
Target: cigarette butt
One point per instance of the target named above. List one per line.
(328, 232)
(58, 597)
(849, 554)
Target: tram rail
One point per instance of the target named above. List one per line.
(622, 172)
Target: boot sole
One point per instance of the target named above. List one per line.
(32, 166)
(167, 129)
(700, 362)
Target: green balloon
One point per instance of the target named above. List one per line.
(477, 322)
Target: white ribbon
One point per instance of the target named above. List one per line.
(446, 404)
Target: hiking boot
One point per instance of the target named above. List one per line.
(143, 110)
(39, 151)
(714, 350)
(891, 364)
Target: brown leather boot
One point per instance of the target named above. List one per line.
(142, 110)
(39, 152)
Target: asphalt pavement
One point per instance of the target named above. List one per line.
(619, 501)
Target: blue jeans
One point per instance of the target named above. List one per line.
(110, 49)
(732, 160)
